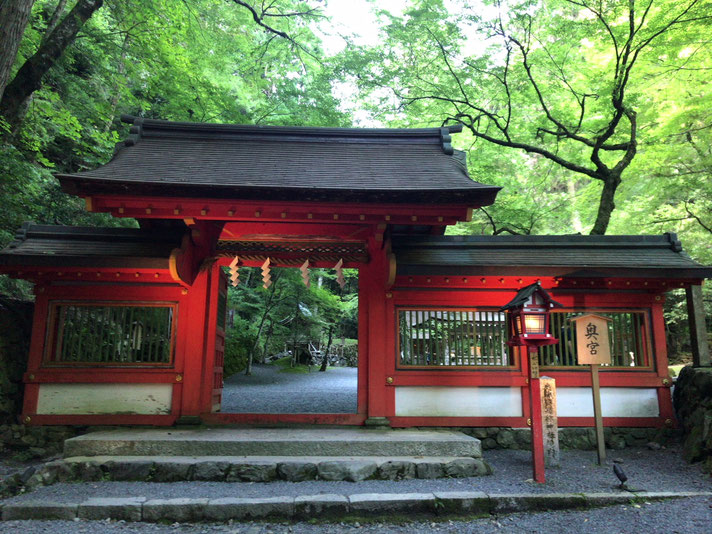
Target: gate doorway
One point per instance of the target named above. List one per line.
(288, 352)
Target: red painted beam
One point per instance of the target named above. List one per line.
(99, 375)
(244, 210)
(553, 284)
(93, 275)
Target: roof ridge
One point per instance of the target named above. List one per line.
(142, 127)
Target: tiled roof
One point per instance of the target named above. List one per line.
(78, 246)
(285, 163)
(574, 255)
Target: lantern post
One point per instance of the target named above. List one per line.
(528, 322)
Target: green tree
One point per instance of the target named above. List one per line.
(557, 80)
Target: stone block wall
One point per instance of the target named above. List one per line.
(15, 332)
(693, 404)
(569, 437)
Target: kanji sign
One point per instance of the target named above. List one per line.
(592, 345)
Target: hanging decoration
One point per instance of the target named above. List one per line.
(234, 271)
(266, 278)
(305, 273)
(340, 274)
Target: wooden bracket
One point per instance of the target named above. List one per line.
(198, 244)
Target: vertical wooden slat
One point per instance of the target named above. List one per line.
(411, 319)
(60, 352)
(639, 352)
(153, 332)
(98, 317)
(437, 325)
(416, 342)
(458, 336)
(431, 352)
(568, 357)
(472, 321)
(131, 352)
(473, 332)
(488, 345)
(447, 336)
(461, 335)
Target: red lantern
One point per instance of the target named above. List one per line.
(529, 317)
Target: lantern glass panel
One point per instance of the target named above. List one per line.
(535, 323)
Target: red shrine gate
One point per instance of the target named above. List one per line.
(432, 348)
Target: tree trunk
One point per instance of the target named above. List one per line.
(54, 19)
(325, 359)
(14, 15)
(268, 308)
(606, 205)
(116, 90)
(29, 78)
(268, 336)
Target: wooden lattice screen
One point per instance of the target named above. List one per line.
(626, 331)
(431, 338)
(112, 334)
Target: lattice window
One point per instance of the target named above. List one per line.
(453, 338)
(111, 333)
(627, 332)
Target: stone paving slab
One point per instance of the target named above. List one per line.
(321, 507)
(217, 441)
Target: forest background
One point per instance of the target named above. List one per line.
(595, 116)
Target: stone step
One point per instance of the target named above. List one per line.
(322, 508)
(265, 468)
(228, 441)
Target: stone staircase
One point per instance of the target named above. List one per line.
(267, 454)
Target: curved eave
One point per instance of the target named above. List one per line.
(27, 262)
(687, 273)
(471, 197)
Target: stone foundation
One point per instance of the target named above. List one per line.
(693, 403)
(569, 438)
(23, 443)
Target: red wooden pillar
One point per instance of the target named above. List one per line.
(373, 282)
(40, 320)
(216, 283)
(193, 323)
(535, 416)
(665, 406)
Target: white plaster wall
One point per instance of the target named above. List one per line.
(72, 399)
(615, 402)
(458, 401)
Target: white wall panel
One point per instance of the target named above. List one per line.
(615, 402)
(458, 401)
(72, 399)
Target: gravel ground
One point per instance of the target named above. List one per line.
(683, 516)
(268, 390)
(658, 470)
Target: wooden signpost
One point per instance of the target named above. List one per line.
(594, 349)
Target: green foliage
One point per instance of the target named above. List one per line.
(202, 61)
(238, 340)
(288, 313)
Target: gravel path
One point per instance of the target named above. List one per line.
(684, 516)
(660, 470)
(268, 390)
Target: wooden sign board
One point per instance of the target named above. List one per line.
(592, 345)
